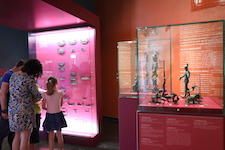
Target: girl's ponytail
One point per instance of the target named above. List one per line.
(51, 85)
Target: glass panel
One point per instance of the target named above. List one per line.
(180, 68)
(127, 69)
(69, 55)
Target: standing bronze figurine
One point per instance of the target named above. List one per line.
(186, 77)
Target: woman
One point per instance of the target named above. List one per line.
(23, 92)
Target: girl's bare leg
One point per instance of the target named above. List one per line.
(51, 142)
(60, 139)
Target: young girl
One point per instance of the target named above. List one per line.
(54, 120)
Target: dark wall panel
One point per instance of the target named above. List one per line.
(88, 4)
(13, 46)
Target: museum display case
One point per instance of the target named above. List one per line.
(180, 68)
(127, 69)
(69, 55)
(127, 101)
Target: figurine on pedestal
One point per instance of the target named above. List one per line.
(167, 97)
(155, 99)
(163, 90)
(189, 91)
(155, 57)
(186, 77)
(159, 93)
(172, 96)
(146, 78)
(135, 85)
(194, 99)
(154, 82)
(146, 83)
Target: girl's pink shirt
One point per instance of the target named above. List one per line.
(54, 101)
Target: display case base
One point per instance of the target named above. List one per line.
(128, 93)
(127, 126)
(179, 132)
(74, 140)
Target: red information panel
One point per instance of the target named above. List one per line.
(179, 132)
(2, 71)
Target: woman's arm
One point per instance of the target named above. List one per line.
(34, 90)
(3, 97)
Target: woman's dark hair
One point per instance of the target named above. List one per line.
(33, 68)
(51, 85)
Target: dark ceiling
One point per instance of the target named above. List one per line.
(34, 15)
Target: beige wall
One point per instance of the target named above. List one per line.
(119, 20)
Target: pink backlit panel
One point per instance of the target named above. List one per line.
(69, 55)
(33, 15)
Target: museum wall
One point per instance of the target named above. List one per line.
(13, 46)
(119, 20)
(88, 4)
(14, 42)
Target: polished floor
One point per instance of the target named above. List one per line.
(110, 140)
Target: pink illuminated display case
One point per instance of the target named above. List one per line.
(69, 55)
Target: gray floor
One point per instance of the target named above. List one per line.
(110, 140)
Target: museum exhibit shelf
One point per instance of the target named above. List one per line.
(180, 72)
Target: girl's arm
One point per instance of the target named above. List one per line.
(44, 104)
(35, 100)
(61, 101)
(62, 98)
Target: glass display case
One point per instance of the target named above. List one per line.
(180, 68)
(69, 55)
(127, 69)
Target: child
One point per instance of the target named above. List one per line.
(54, 120)
(35, 136)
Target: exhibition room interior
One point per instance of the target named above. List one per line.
(137, 74)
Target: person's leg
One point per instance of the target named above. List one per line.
(25, 139)
(60, 139)
(10, 138)
(34, 138)
(51, 137)
(4, 126)
(16, 141)
(32, 146)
